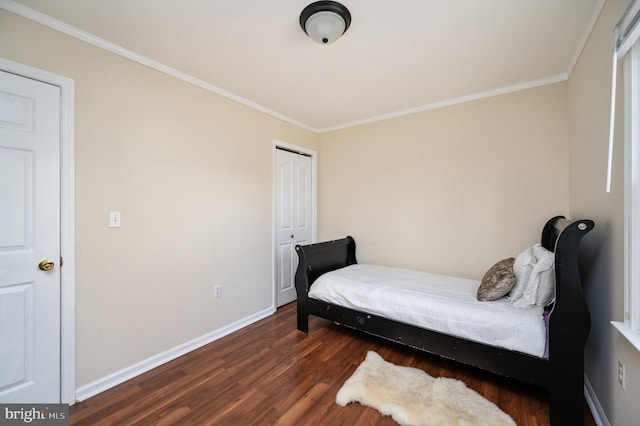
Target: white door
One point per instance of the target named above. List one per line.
(29, 235)
(293, 218)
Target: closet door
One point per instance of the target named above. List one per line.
(293, 218)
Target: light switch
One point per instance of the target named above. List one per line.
(114, 219)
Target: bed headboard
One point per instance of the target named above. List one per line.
(557, 225)
(563, 237)
(566, 344)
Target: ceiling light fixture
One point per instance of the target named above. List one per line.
(325, 21)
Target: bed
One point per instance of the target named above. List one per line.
(559, 367)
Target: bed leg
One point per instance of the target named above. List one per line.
(303, 322)
(303, 319)
(566, 399)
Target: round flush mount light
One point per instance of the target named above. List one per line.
(325, 21)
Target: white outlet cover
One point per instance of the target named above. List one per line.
(114, 219)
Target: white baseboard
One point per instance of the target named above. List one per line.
(597, 412)
(104, 383)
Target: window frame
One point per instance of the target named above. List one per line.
(630, 328)
(632, 187)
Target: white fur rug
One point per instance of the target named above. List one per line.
(412, 397)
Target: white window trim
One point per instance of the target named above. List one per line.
(632, 188)
(630, 328)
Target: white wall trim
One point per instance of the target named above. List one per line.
(455, 101)
(585, 36)
(67, 225)
(596, 409)
(72, 31)
(150, 363)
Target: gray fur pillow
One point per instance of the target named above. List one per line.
(497, 281)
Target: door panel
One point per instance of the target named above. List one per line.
(29, 233)
(16, 190)
(303, 197)
(16, 304)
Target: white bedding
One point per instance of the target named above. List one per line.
(436, 302)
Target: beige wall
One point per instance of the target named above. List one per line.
(602, 252)
(192, 174)
(451, 190)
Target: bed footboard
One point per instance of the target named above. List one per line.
(313, 261)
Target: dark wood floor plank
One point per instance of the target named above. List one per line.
(270, 373)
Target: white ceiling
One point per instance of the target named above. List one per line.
(397, 57)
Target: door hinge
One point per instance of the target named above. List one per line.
(61, 261)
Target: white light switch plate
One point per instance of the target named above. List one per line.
(114, 219)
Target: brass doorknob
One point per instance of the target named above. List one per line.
(46, 265)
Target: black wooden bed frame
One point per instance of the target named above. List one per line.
(569, 322)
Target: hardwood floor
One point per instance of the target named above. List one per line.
(272, 374)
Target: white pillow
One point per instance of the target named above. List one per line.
(522, 268)
(540, 290)
(546, 293)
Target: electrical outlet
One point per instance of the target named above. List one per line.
(217, 291)
(621, 374)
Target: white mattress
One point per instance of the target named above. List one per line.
(436, 302)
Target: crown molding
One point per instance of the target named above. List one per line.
(455, 101)
(585, 36)
(72, 31)
(79, 34)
